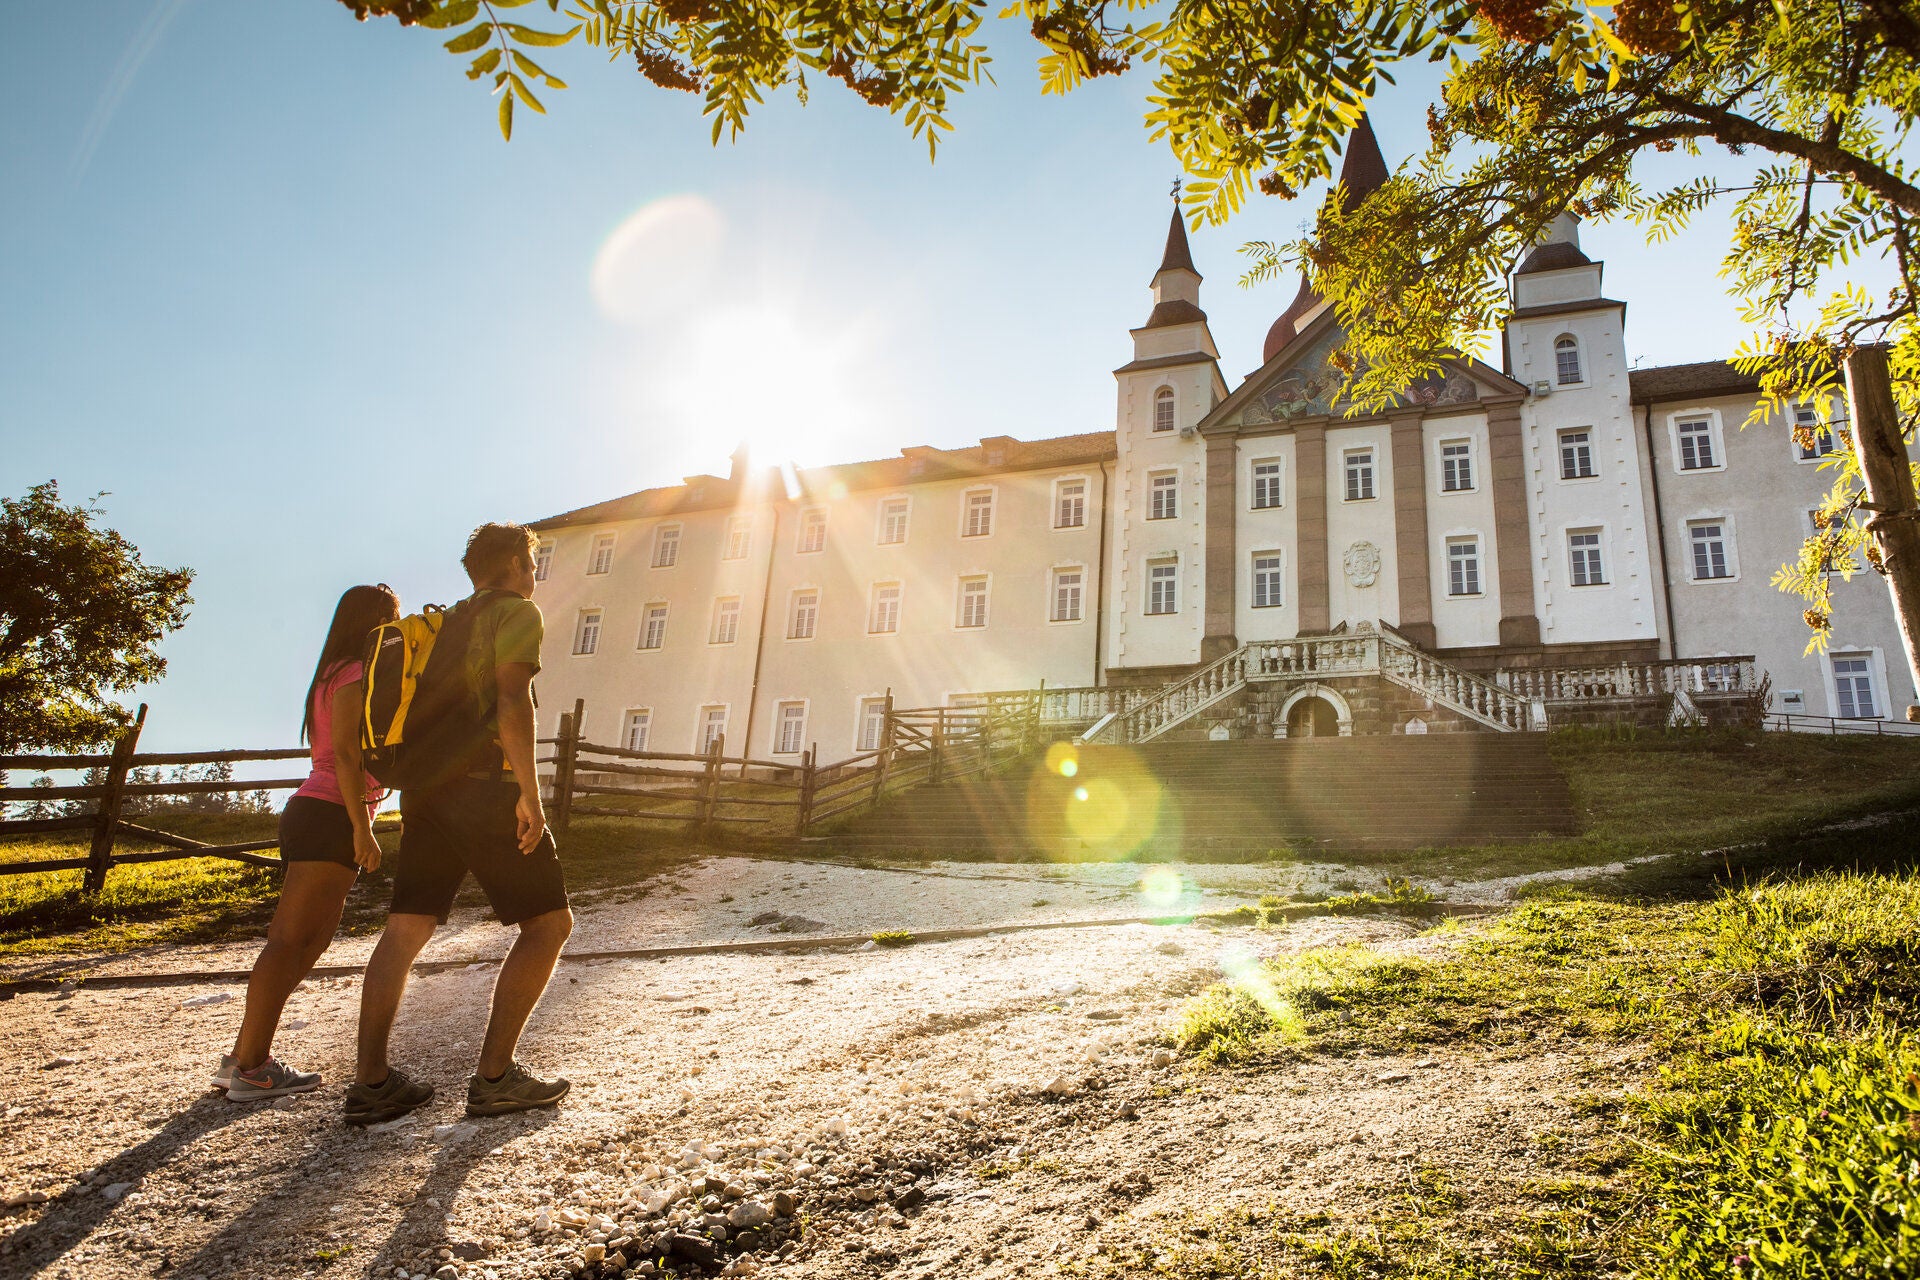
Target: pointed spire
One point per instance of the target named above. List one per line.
(1177, 256)
(1363, 170)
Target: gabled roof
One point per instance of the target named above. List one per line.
(1690, 381)
(1363, 171)
(919, 464)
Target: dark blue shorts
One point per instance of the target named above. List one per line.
(469, 825)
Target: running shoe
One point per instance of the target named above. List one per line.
(271, 1079)
(223, 1074)
(392, 1098)
(518, 1090)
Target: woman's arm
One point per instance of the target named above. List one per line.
(352, 774)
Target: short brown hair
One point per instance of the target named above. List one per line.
(492, 549)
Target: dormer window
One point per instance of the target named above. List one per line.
(1566, 360)
(1163, 409)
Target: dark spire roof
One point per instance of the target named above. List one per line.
(1285, 329)
(1177, 257)
(1363, 170)
(1553, 257)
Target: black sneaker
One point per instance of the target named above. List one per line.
(389, 1100)
(518, 1090)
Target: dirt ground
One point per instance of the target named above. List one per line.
(991, 1106)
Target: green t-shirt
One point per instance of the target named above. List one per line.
(509, 629)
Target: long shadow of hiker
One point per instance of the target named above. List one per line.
(74, 1215)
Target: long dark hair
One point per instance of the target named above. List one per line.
(360, 610)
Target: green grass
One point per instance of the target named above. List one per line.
(1778, 1136)
(213, 900)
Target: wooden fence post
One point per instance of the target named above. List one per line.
(939, 745)
(806, 790)
(709, 785)
(884, 764)
(566, 758)
(100, 856)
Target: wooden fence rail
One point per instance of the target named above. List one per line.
(705, 791)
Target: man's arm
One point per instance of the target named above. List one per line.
(514, 683)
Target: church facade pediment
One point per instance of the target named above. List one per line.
(1303, 382)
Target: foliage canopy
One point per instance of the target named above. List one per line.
(80, 614)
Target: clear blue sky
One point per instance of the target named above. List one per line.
(271, 280)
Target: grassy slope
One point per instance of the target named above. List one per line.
(1777, 991)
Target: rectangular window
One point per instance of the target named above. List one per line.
(1163, 586)
(1583, 555)
(1359, 474)
(893, 521)
(978, 520)
(1463, 566)
(873, 724)
(600, 558)
(586, 632)
(803, 615)
(542, 561)
(739, 537)
(1576, 454)
(1266, 483)
(1811, 438)
(1067, 592)
(1070, 504)
(1164, 502)
(666, 546)
(1696, 443)
(813, 531)
(713, 729)
(1267, 580)
(1456, 466)
(639, 727)
(792, 735)
(726, 621)
(653, 626)
(883, 612)
(1709, 541)
(1853, 687)
(973, 602)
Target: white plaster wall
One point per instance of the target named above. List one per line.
(1614, 501)
(1765, 492)
(1569, 284)
(1370, 520)
(1139, 639)
(686, 673)
(1461, 621)
(1266, 529)
(930, 658)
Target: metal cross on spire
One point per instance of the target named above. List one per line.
(1176, 189)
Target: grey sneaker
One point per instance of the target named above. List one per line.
(271, 1079)
(223, 1074)
(518, 1090)
(389, 1100)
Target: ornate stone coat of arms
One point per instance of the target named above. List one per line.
(1363, 563)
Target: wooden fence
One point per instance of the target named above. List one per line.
(711, 791)
(705, 793)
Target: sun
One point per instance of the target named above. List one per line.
(785, 385)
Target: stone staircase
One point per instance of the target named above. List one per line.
(1243, 796)
(1368, 654)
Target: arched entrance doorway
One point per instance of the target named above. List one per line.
(1313, 717)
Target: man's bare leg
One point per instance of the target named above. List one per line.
(523, 979)
(383, 986)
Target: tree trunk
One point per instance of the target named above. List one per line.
(1894, 522)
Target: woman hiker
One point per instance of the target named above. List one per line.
(326, 840)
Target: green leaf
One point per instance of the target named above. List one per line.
(470, 39)
(540, 39)
(452, 15)
(483, 64)
(526, 94)
(506, 116)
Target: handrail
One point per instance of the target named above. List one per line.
(1798, 722)
(1734, 674)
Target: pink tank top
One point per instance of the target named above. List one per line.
(322, 781)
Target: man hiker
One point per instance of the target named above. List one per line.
(480, 812)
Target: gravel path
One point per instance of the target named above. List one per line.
(982, 1107)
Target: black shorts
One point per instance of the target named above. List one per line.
(469, 825)
(316, 830)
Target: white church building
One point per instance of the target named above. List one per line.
(1563, 526)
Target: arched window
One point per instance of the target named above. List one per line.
(1566, 360)
(1163, 409)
